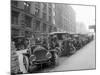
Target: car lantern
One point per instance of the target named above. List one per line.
(48, 55)
(32, 58)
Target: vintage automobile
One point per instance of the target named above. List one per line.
(66, 45)
(84, 39)
(39, 56)
(90, 37)
(68, 48)
(60, 36)
(30, 58)
(77, 42)
(21, 43)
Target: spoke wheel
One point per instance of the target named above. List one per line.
(26, 63)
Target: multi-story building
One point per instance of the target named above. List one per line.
(81, 28)
(28, 18)
(65, 17)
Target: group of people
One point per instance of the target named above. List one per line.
(48, 43)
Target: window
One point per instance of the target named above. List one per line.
(37, 5)
(50, 5)
(28, 21)
(14, 17)
(37, 26)
(50, 29)
(55, 29)
(14, 32)
(44, 7)
(37, 11)
(50, 10)
(27, 34)
(44, 16)
(14, 3)
(44, 27)
(37, 8)
(50, 18)
(27, 6)
(53, 20)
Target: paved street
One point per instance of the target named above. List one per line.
(82, 59)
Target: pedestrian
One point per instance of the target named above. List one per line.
(32, 40)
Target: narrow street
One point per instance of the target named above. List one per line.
(82, 59)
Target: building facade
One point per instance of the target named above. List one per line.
(65, 17)
(28, 18)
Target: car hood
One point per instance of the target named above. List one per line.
(40, 54)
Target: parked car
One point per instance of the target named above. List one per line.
(60, 37)
(77, 42)
(90, 37)
(32, 57)
(84, 38)
(68, 47)
(37, 56)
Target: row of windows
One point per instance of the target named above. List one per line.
(38, 27)
(15, 18)
(37, 9)
(16, 32)
(27, 21)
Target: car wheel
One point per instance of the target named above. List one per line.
(32, 68)
(26, 62)
(73, 50)
(55, 59)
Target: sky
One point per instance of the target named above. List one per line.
(85, 14)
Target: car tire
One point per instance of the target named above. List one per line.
(32, 68)
(73, 50)
(55, 59)
(26, 62)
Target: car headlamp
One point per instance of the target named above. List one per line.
(32, 58)
(48, 55)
